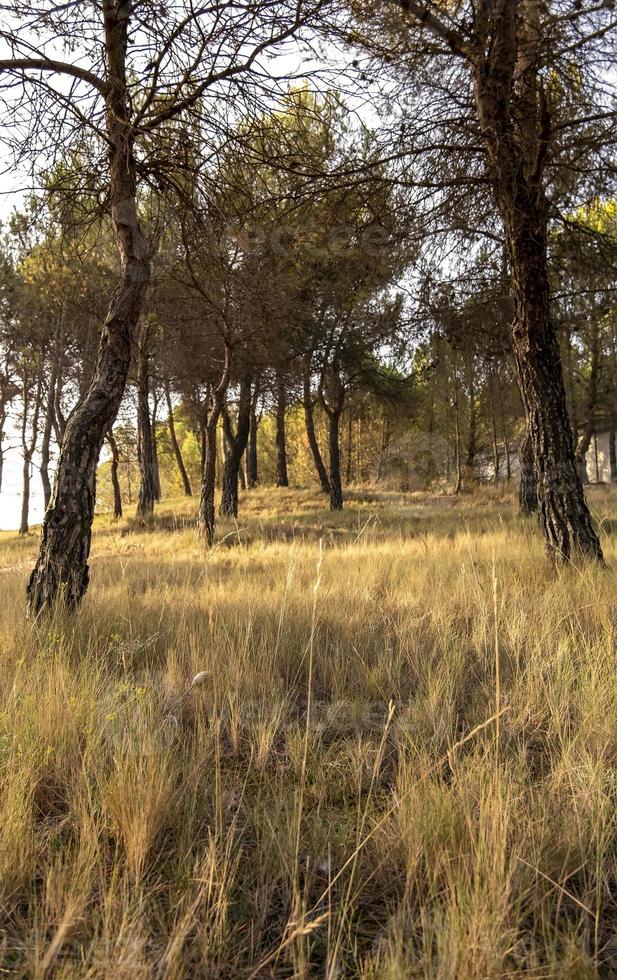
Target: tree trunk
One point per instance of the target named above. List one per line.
(207, 519)
(175, 444)
(251, 459)
(309, 422)
(527, 492)
(61, 570)
(457, 436)
(586, 436)
(612, 451)
(46, 438)
(564, 514)
(515, 124)
(237, 446)
(494, 431)
(115, 482)
(25, 495)
(145, 447)
(155, 450)
(282, 479)
(336, 489)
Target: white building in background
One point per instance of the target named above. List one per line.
(598, 459)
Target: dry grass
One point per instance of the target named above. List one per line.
(232, 832)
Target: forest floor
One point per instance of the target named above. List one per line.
(401, 761)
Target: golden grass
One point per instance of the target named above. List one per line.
(232, 832)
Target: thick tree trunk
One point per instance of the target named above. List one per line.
(61, 570)
(309, 421)
(334, 445)
(237, 446)
(186, 483)
(527, 492)
(513, 112)
(145, 447)
(115, 482)
(282, 480)
(564, 514)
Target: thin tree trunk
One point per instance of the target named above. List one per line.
(28, 446)
(25, 495)
(61, 569)
(238, 443)
(494, 433)
(282, 480)
(252, 460)
(47, 431)
(586, 436)
(309, 421)
(115, 482)
(527, 490)
(155, 450)
(145, 448)
(612, 451)
(457, 436)
(175, 444)
(207, 519)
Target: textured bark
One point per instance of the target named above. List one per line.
(333, 404)
(237, 443)
(61, 570)
(309, 421)
(186, 483)
(336, 489)
(612, 451)
(207, 519)
(527, 492)
(115, 482)
(282, 479)
(506, 79)
(145, 442)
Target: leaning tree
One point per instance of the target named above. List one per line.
(119, 77)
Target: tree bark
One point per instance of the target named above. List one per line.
(336, 489)
(612, 452)
(186, 483)
(527, 492)
(333, 406)
(251, 458)
(309, 421)
(282, 480)
(61, 570)
(515, 126)
(237, 446)
(155, 449)
(145, 447)
(48, 429)
(115, 482)
(207, 519)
